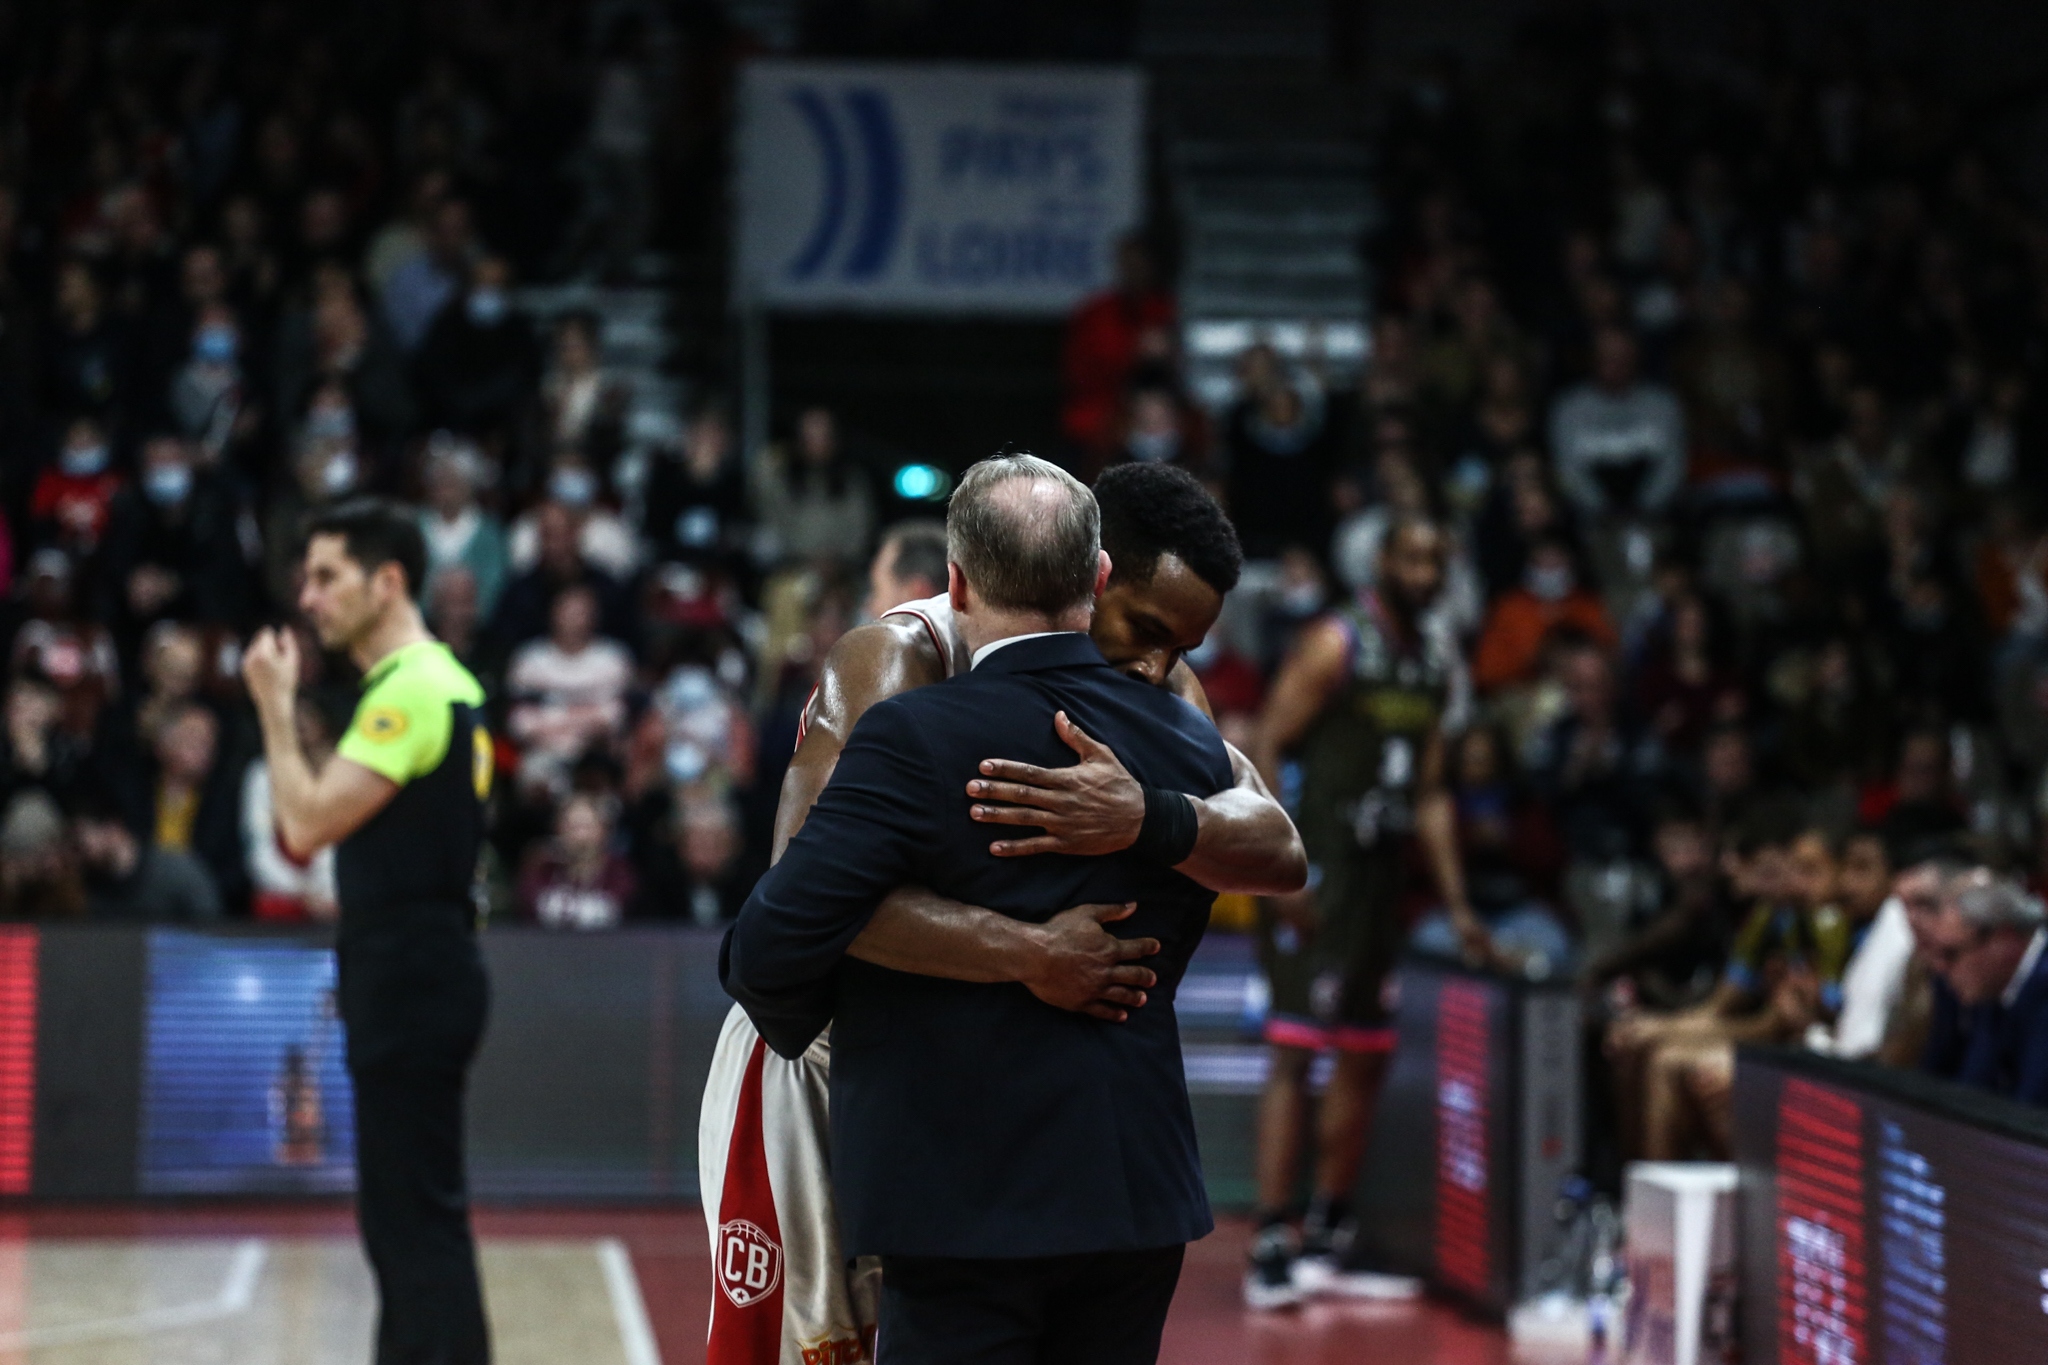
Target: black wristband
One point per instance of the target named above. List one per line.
(1168, 834)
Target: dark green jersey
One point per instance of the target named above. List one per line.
(414, 863)
(1362, 758)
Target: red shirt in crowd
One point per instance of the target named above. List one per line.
(1101, 348)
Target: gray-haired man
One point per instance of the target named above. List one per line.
(1988, 947)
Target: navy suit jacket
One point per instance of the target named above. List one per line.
(972, 1120)
(2007, 1052)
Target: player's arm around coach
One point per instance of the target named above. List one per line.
(1244, 841)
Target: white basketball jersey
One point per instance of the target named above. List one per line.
(938, 618)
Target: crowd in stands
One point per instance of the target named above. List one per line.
(1729, 381)
(257, 259)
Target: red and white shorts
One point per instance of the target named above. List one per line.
(784, 1293)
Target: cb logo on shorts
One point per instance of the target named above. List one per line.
(749, 1262)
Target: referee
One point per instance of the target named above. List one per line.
(403, 796)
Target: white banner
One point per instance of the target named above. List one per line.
(932, 188)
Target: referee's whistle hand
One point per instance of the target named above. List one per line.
(270, 668)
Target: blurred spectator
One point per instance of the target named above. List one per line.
(1669, 957)
(1159, 426)
(58, 643)
(699, 874)
(477, 362)
(1594, 767)
(813, 499)
(176, 544)
(1511, 857)
(454, 613)
(74, 497)
(1619, 440)
(85, 352)
(459, 532)
(696, 502)
(1918, 802)
(1682, 687)
(186, 800)
(1279, 454)
(289, 889)
(423, 282)
(1522, 619)
(1107, 337)
(525, 606)
(569, 690)
(584, 408)
(578, 880)
(129, 880)
(36, 752)
(39, 877)
(209, 401)
(603, 537)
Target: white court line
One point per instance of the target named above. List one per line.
(629, 1310)
(237, 1292)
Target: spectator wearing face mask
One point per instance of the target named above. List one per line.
(1278, 443)
(696, 501)
(176, 545)
(333, 339)
(605, 538)
(459, 531)
(208, 399)
(1550, 597)
(1159, 428)
(74, 497)
(326, 467)
(477, 364)
(578, 879)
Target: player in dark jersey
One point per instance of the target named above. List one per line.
(1360, 701)
(403, 797)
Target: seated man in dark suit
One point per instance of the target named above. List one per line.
(1988, 946)
(1028, 1175)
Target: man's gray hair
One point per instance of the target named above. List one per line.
(1987, 902)
(1026, 534)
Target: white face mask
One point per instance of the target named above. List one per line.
(1549, 583)
(83, 462)
(339, 474)
(573, 487)
(1153, 447)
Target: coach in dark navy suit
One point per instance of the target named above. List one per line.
(1988, 945)
(1028, 1175)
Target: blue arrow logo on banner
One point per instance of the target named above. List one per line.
(875, 179)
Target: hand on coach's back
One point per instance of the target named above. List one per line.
(1081, 966)
(1092, 808)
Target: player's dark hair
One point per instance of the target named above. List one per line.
(1149, 510)
(920, 551)
(376, 532)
